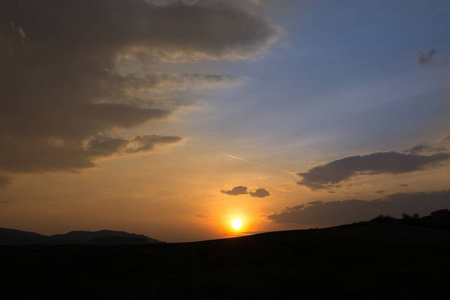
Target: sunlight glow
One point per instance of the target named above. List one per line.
(236, 224)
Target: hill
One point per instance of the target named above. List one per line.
(17, 237)
(13, 237)
(103, 237)
(369, 260)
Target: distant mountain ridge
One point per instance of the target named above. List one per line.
(103, 237)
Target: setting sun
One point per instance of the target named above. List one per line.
(236, 224)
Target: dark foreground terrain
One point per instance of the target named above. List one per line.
(360, 261)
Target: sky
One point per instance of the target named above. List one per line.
(171, 118)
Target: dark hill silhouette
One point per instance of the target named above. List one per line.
(100, 237)
(17, 237)
(366, 260)
(103, 237)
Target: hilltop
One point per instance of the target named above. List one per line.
(11, 237)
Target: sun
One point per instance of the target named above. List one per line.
(236, 224)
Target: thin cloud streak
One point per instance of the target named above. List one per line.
(258, 164)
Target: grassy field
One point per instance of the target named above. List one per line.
(366, 261)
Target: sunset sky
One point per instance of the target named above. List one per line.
(171, 118)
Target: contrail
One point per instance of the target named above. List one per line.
(258, 164)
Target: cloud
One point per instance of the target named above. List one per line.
(242, 190)
(236, 191)
(425, 57)
(330, 174)
(146, 143)
(4, 180)
(235, 3)
(12, 40)
(61, 92)
(202, 216)
(104, 146)
(260, 193)
(132, 85)
(348, 211)
(425, 148)
(36, 155)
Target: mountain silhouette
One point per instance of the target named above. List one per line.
(17, 237)
(104, 237)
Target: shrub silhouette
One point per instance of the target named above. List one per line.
(382, 219)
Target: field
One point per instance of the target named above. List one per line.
(359, 261)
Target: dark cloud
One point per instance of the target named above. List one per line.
(4, 180)
(260, 193)
(39, 155)
(403, 185)
(61, 94)
(146, 143)
(237, 3)
(348, 211)
(236, 191)
(425, 148)
(379, 192)
(425, 57)
(329, 175)
(242, 190)
(103, 146)
(137, 29)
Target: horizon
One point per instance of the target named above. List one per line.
(404, 216)
(199, 120)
